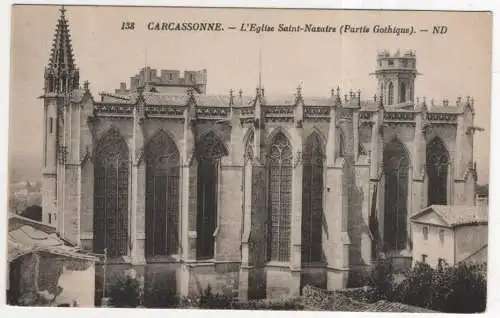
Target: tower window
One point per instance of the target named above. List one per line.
(50, 218)
(170, 77)
(51, 123)
(425, 232)
(390, 98)
(405, 63)
(402, 92)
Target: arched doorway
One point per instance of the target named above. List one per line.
(111, 185)
(437, 163)
(396, 178)
(162, 195)
(312, 201)
(210, 150)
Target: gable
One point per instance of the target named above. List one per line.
(431, 217)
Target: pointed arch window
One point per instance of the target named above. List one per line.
(340, 144)
(280, 198)
(111, 186)
(162, 196)
(210, 150)
(396, 175)
(402, 92)
(312, 201)
(437, 163)
(390, 94)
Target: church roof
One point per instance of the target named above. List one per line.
(158, 99)
(455, 215)
(61, 55)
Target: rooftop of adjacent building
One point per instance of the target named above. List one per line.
(456, 215)
(27, 236)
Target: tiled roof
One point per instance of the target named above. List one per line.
(456, 215)
(212, 100)
(445, 109)
(30, 238)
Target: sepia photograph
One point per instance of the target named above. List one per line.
(249, 158)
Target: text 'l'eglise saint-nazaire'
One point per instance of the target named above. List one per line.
(282, 27)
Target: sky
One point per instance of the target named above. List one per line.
(455, 64)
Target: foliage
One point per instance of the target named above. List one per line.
(160, 296)
(416, 289)
(208, 300)
(457, 289)
(125, 293)
(381, 278)
(33, 212)
(358, 279)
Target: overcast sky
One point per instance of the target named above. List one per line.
(455, 64)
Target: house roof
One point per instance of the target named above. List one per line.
(454, 215)
(26, 236)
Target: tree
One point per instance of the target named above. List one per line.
(33, 212)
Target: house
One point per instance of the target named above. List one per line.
(44, 269)
(449, 233)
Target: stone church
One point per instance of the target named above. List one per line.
(248, 193)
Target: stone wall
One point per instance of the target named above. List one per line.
(62, 280)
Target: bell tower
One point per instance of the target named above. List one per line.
(60, 78)
(396, 76)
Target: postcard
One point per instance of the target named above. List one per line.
(249, 158)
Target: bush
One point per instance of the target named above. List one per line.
(381, 278)
(125, 293)
(208, 300)
(416, 289)
(457, 289)
(160, 296)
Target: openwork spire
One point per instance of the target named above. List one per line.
(61, 56)
(61, 74)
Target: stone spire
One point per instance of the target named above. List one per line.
(61, 73)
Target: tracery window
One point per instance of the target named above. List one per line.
(210, 150)
(312, 201)
(111, 184)
(437, 162)
(280, 198)
(390, 95)
(162, 196)
(396, 168)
